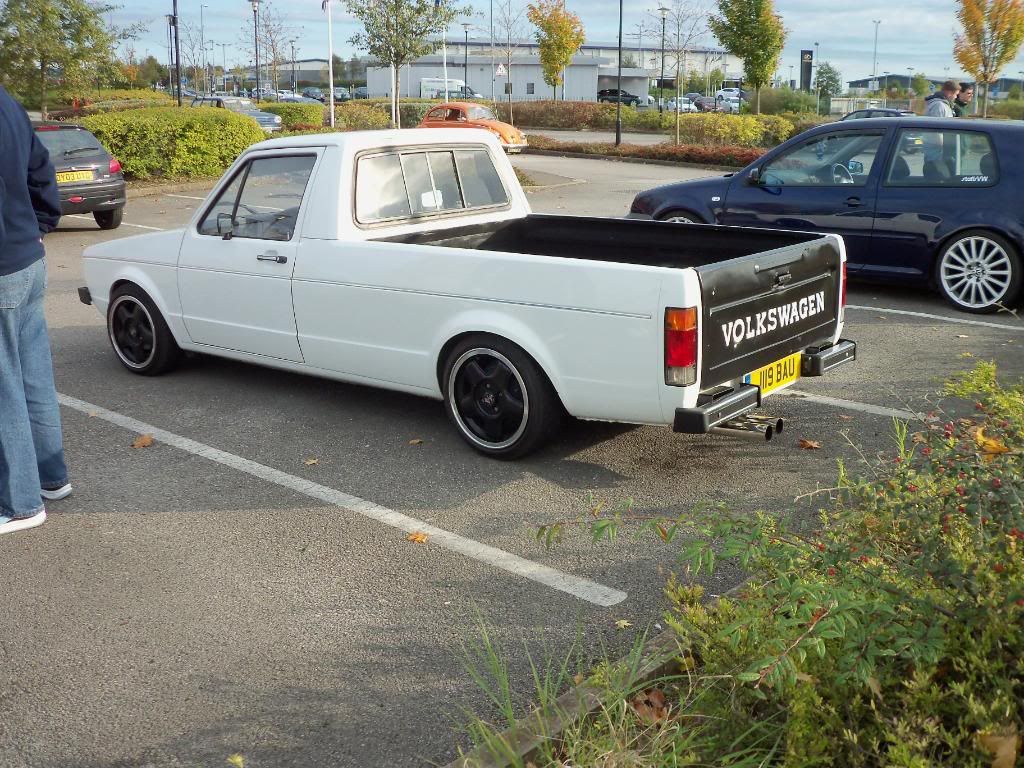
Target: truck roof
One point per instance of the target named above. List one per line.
(357, 141)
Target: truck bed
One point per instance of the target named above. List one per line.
(628, 241)
(766, 293)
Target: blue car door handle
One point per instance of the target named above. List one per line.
(854, 202)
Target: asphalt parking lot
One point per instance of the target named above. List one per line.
(221, 592)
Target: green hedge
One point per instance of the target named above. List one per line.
(1011, 109)
(733, 157)
(167, 142)
(293, 114)
(359, 116)
(717, 128)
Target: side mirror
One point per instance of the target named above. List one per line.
(754, 177)
(225, 225)
(855, 167)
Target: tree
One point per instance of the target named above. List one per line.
(686, 22)
(559, 35)
(509, 29)
(993, 31)
(47, 43)
(273, 36)
(152, 71)
(920, 84)
(751, 30)
(829, 81)
(397, 32)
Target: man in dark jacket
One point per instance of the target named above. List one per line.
(962, 102)
(31, 448)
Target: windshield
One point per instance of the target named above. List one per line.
(238, 105)
(481, 113)
(63, 141)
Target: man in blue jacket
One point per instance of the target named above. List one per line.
(31, 449)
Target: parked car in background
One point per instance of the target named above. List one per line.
(361, 92)
(706, 104)
(947, 213)
(613, 95)
(265, 120)
(730, 105)
(460, 92)
(860, 114)
(342, 94)
(298, 100)
(459, 114)
(693, 96)
(728, 93)
(314, 93)
(685, 105)
(89, 179)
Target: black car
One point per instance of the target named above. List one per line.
(860, 114)
(612, 95)
(928, 201)
(89, 179)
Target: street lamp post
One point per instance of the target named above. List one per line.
(177, 49)
(790, 84)
(874, 58)
(224, 64)
(817, 82)
(292, 44)
(910, 79)
(202, 47)
(885, 89)
(256, 41)
(211, 66)
(465, 55)
(661, 81)
(618, 86)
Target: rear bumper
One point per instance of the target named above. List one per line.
(86, 198)
(514, 149)
(727, 403)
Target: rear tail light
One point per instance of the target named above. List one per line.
(842, 290)
(680, 346)
(115, 166)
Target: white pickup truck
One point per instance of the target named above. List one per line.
(410, 260)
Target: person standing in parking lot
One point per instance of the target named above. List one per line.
(963, 99)
(941, 104)
(32, 464)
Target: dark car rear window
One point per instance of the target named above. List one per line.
(63, 140)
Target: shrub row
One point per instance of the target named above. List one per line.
(361, 116)
(733, 157)
(101, 107)
(720, 129)
(167, 142)
(1011, 109)
(293, 114)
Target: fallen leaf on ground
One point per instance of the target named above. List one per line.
(918, 437)
(578, 678)
(142, 441)
(416, 441)
(650, 705)
(962, 336)
(966, 354)
(845, 417)
(623, 624)
(1003, 746)
(236, 760)
(417, 537)
(809, 445)
(311, 462)
(990, 446)
(92, 413)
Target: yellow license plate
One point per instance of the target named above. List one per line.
(777, 375)
(66, 176)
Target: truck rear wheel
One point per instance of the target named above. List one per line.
(498, 398)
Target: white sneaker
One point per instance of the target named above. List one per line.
(56, 494)
(12, 524)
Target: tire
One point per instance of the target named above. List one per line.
(979, 271)
(109, 219)
(498, 398)
(137, 332)
(681, 217)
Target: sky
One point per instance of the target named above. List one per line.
(914, 34)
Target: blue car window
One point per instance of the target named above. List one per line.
(830, 159)
(935, 158)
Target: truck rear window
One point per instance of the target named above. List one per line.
(425, 183)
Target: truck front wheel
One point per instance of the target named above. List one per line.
(498, 398)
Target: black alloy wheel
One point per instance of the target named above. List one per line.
(498, 398)
(137, 331)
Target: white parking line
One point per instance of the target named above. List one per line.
(123, 223)
(853, 405)
(583, 589)
(184, 197)
(946, 318)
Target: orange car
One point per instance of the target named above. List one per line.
(464, 114)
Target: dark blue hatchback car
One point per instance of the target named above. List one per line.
(917, 200)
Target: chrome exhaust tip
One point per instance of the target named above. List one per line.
(748, 429)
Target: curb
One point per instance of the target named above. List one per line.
(170, 188)
(638, 160)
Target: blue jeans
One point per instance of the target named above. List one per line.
(31, 447)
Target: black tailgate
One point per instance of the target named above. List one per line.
(760, 308)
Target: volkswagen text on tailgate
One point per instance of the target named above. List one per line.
(410, 260)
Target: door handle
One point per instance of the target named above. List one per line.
(854, 202)
(272, 256)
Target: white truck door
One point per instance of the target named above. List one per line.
(235, 266)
